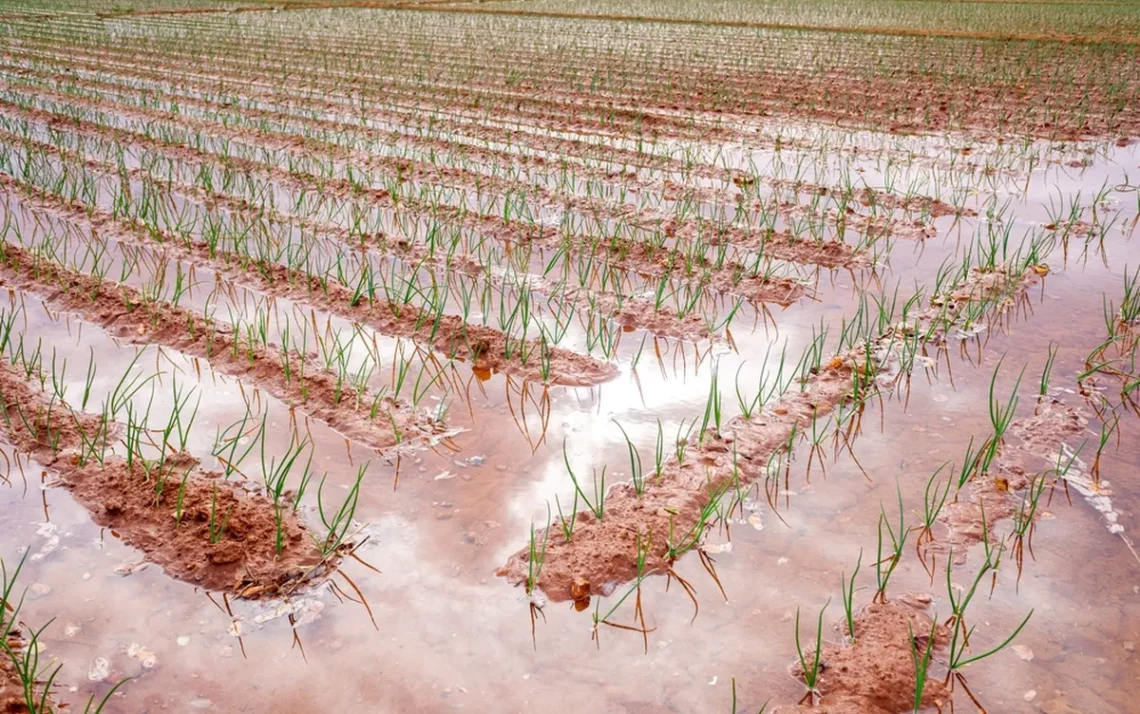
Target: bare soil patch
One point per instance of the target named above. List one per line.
(875, 674)
(200, 527)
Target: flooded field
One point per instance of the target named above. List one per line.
(492, 357)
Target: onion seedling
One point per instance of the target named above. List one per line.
(1052, 356)
(537, 556)
(567, 526)
(898, 540)
(847, 586)
(921, 661)
(932, 504)
(337, 523)
(599, 488)
(635, 468)
(811, 674)
(217, 528)
(1001, 416)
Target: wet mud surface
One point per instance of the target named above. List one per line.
(642, 533)
(870, 262)
(199, 526)
(875, 672)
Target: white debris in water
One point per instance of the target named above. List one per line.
(924, 362)
(1095, 494)
(716, 548)
(183, 640)
(125, 569)
(304, 610)
(435, 439)
(444, 476)
(143, 655)
(1023, 652)
(712, 681)
(756, 521)
(50, 533)
(965, 333)
(100, 669)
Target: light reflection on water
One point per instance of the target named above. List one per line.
(452, 636)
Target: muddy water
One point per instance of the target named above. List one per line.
(441, 633)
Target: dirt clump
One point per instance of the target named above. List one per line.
(209, 532)
(875, 673)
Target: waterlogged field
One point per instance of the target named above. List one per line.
(502, 356)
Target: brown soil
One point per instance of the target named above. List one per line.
(1076, 229)
(784, 246)
(624, 254)
(243, 559)
(484, 347)
(123, 312)
(39, 426)
(630, 313)
(480, 8)
(828, 29)
(778, 245)
(603, 552)
(12, 699)
(1042, 434)
(1036, 441)
(903, 100)
(876, 674)
(407, 169)
(936, 208)
(1000, 286)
